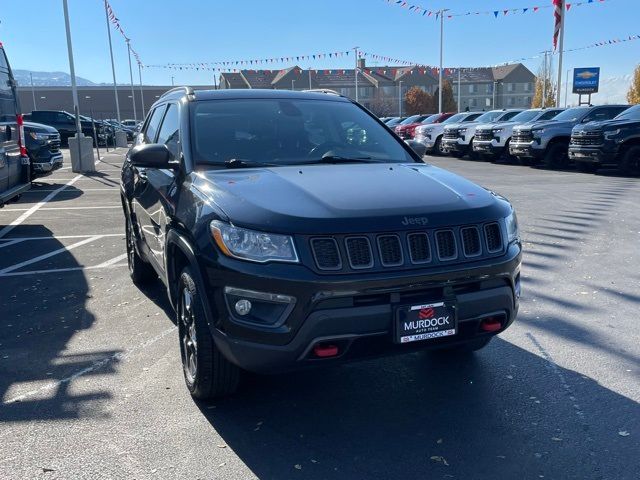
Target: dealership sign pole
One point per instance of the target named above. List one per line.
(113, 67)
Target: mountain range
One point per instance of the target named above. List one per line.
(48, 79)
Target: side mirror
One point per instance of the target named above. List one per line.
(152, 155)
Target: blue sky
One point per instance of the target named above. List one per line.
(164, 31)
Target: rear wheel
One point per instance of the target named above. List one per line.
(140, 271)
(207, 373)
(556, 156)
(630, 163)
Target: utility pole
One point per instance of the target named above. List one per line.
(459, 89)
(355, 49)
(141, 92)
(561, 45)
(400, 98)
(543, 104)
(566, 88)
(309, 78)
(133, 95)
(113, 66)
(172, 84)
(33, 91)
(441, 49)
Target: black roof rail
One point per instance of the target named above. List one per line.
(186, 90)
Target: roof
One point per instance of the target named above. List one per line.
(226, 94)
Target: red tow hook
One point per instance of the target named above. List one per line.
(323, 350)
(490, 325)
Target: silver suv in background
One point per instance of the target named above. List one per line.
(492, 140)
(430, 136)
(458, 138)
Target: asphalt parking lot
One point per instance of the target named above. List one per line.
(91, 383)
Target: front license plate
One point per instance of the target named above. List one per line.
(423, 322)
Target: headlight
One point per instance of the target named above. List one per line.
(511, 221)
(497, 130)
(252, 245)
(538, 132)
(461, 131)
(611, 133)
(38, 136)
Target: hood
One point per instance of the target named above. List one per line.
(39, 128)
(609, 124)
(347, 198)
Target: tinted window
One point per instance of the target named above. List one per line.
(152, 125)
(7, 100)
(288, 131)
(431, 118)
(632, 113)
(62, 117)
(549, 114)
(508, 116)
(170, 131)
(603, 114)
(411, 119)
(571, 115)
(489, 116)
(526, 116)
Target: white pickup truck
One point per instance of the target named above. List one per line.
(491, 140)
(430, 136)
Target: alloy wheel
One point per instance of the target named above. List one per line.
(188, 339)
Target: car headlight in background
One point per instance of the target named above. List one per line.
(611, 133)
(38, 136)
(511, 221)
(497, 130)
(538, 132)
(253, 245)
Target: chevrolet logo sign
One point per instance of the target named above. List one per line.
(586, 75)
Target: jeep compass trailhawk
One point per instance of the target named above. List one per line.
(285, 240)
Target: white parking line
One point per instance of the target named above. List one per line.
(36, 207)
(111, 262)
(61, 270)
(47, 255)
(41, 190)
(61, 208)
(13, 240)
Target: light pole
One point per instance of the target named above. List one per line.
(561, 10)
(113, 66)
(400, 98)
(355, 49)
(441, 49)
(141, 92)
(172, 84)
(33, 91)
(133, 95)
(459, 89)
(309, 78)
(74, 86)
(293, 84)
(566, 88)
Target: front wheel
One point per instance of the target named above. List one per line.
(556, 156)
(207, 373)
(630, 163)
(437, 148)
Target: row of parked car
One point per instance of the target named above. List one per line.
(587, 137)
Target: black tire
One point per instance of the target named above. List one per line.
(586, 167)
(630, 162)
(524, 161)
(207, 373)
(556, 156)
(140, 271)
(470, 153)
(437, 147)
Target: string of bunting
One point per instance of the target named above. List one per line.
(415, 67)
(116, 25)
(419, 10)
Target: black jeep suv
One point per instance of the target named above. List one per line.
(613, 142)
(285, 241)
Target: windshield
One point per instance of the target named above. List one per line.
(411, 119)
(394, 121)
(526, 116)
(286, 131)
(431, 118)
(489, 116)
(458, 117)
(632, 113)
(571, 115)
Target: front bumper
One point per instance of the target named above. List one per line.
(526, 150)
(355, 312)
(47, 166)
(457, 145)
(492, 147)
(597, 155)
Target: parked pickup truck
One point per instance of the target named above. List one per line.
(458, 139)
(615, 141)
(14, 162)
(492, 140)
(430, 136)
(43, 148)
(548, 142)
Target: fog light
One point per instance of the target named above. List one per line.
(243, 307)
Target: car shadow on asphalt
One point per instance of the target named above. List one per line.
(70, 192)
(504, 412)
(41, 314)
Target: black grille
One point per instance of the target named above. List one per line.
(522, 137)
(419, 248)
(390, 250)
(494, 238)
(471, 241)
(446, 245)
(325, 251)
(484, 135)
(587, 140)
(359, 252)
(450, 134)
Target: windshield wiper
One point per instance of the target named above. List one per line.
(240, 163)
(341, 159)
